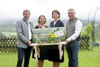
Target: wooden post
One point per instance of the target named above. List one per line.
(60, 51)
(38, 51)
(35, 55)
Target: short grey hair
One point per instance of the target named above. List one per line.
(26, 10)
(71, 9)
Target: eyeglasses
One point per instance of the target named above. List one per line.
(70, 13)
(42, 18)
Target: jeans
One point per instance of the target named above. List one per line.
(72, 51)
(22, 52)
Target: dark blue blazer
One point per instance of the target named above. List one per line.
(58, 24)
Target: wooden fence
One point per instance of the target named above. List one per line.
(10, 44)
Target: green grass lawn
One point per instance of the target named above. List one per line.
(86, 59)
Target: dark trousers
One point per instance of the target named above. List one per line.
(22, 52)
(72, 51)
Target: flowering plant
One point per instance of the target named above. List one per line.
(51, 39)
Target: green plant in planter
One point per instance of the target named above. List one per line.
(51, 39)
(38, 41)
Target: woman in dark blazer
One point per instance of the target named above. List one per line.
(43, 53)
(53, 54)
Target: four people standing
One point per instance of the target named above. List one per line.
(24, 38)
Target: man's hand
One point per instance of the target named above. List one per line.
(29, 42)
(66, 41)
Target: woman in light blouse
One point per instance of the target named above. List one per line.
(43, 53)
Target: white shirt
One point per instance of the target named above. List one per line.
(78, 27)
(30, 34)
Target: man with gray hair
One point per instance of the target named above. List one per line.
(24, 38)
(73, 31)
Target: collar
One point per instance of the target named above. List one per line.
(25, 20)
(72, 19)
(57, 20)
